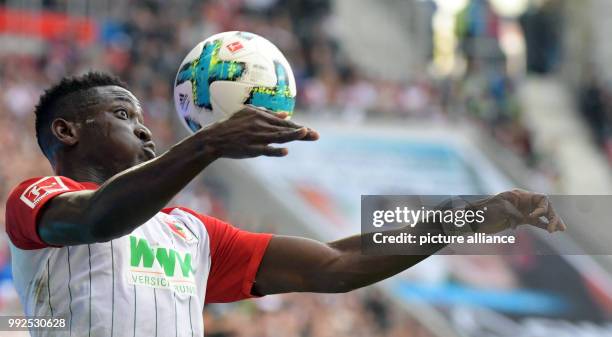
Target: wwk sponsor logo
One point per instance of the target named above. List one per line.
(160, 267)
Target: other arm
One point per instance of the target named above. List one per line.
(293, 264)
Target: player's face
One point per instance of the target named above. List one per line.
(114, 134)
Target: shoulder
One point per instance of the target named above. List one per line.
(25, 203)
(32, 191)
(199, 217)
(201, 222)
(220, 233)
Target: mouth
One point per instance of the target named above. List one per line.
(149, 150)
(149, 153)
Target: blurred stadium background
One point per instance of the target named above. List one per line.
(410, 97)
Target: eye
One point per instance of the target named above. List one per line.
(122, 113)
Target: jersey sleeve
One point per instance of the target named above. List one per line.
(235, 258)
(25, 203)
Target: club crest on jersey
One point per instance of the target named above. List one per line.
(40, 189)
(179, 229)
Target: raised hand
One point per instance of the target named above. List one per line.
(518, 207)
(249, 133)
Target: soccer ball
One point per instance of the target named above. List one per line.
(228, 70)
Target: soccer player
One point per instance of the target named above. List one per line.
(95, 245)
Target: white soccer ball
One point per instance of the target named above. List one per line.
(228, 70)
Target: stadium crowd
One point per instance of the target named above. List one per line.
(595, 104)
(145, 46)
(362, 313)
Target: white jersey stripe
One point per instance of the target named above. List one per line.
(69, 291)
(155, 300)
(174, 297)
(112, 288)
(135, 312)
(175, 316)
(190, 323)
(49, 288)
(89, 254)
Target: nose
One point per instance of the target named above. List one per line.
(143, 133)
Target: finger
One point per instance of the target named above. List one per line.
(274, 119)
(542, 208)
(248, 109)
(562, 224)
(542, 222)
(265, 126)
(556, 223)
(251, 109)
(553, 225)
(280, 137)
(268, 151)
(311, 135)
(258, 108)
(281, 115)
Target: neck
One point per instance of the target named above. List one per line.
(80, 171)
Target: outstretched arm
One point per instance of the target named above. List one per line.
(293, 264)
(133, 196)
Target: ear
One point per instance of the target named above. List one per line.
(66, 132)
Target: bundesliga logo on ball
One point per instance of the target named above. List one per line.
(228, 70)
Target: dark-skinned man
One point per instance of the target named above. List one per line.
(94, 244)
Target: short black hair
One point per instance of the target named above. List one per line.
(51, 103)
